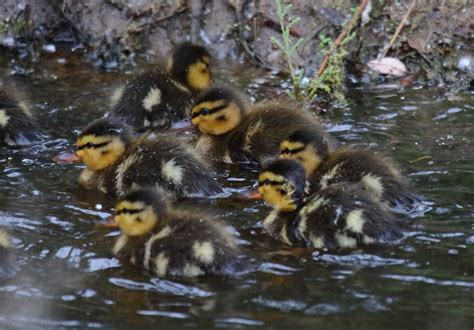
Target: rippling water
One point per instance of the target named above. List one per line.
(69, 279)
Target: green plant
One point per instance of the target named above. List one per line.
(331, 80)
(287, 45)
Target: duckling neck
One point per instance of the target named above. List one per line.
(212, 146)
(282, 226)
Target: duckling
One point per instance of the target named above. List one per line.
(338, 216)
(17, 123)
(158, 98)
(8, 267)
(172, 242)
(231, 133)
(115, 163)
(379, 175)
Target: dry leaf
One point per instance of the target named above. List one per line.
(388, 65)
(417, 43)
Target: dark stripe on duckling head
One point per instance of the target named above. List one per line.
(292, 171)
(157, 199)
(92, 145)
(287, 151)
(220, 93)
(109, 127)
(309, 137)
(207, 111)
(269, 182)
(128, 211)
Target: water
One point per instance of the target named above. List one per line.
(69, 279)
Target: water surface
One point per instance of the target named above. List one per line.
(69, 279)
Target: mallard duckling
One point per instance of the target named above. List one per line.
(115, 163)
(158, 98)
(379, 175)
(339, 216)
(172, 242)
(230, 133)
(8, 267)
(17, 124)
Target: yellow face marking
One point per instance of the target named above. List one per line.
(199, 75)
(214, 117)
(306, 155)
(99, 152)
(271, 186)
(135, 218)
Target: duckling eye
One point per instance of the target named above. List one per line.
(285, 151)
(203, 70)
(205, 111)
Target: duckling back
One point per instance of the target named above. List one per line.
(162, 162)
(378, 174)
(17, 124)
(184, 243)
(260, 133)
(152, 99)
(339, 216)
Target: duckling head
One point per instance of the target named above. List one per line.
(305, 147)
(102, 143)
(138, 212)
(217, 111)
(282, 183)
(189, 65)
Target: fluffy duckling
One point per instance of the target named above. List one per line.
(157, 98)
(171, 242)
(8, 267)
(379, 175)
(230, 133)
(115, 164)
(17, 124)
(339, 216)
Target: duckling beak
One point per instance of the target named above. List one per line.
(184, 125)
(108, 222)
(66, 158)
(252, 195)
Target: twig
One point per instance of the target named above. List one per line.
(342, 35)
(398, 30)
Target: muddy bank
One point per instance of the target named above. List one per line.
(436, 43)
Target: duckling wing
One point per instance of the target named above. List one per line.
(167, 164)
(190, 245)
(379, 176)
(259, 135)
(17, 128)
(152, 99)
(345, 216)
